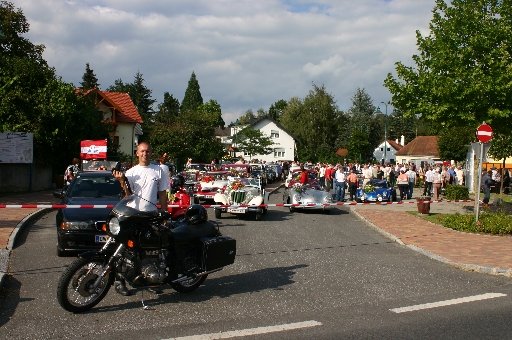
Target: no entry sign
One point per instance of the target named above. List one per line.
(484, 133)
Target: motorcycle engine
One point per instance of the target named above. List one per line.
(152, 270)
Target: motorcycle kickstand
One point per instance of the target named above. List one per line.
(144, 306)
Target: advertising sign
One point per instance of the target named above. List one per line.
(16, 147)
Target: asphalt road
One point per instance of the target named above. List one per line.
(329, 275)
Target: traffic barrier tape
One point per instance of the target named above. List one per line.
(110, 206)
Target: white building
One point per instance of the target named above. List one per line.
(284, 147)
(391, 148)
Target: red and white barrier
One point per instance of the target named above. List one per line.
(99, 206)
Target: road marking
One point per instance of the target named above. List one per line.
(448, 302)
(251, 331)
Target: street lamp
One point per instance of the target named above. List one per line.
(385, 129)
(236, 136)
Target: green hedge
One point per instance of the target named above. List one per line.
(488, 222)
(456, 192)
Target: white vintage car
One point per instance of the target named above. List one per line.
(242, 191)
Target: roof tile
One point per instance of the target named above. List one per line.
(421, 145)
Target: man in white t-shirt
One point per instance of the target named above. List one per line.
(149, 184)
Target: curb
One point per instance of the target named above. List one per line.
(5, 253)
(464, 266)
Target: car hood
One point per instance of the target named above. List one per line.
(87, 214)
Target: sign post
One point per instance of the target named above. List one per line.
(484, 135)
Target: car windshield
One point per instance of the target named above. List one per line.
(214, 176)
(100, 186)
(379, 184)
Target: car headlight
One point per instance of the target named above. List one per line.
(328, 199)
(113, 226)
(296, 198)
(76, 226)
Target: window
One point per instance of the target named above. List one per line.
(279, 153)
(381, 149)
(274, 133)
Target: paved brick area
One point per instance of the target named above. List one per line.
(459, 247)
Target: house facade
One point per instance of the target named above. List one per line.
(284, 147)
(122, 118)
(420, 149)
(387, 156)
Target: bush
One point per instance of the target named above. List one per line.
(489, 222)
(456, 192)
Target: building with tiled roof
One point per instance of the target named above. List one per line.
(421, 148)
(389, 156)
(121, 115)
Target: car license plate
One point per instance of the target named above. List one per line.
(236, 211)
(101, 238)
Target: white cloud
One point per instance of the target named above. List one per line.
(245, 53)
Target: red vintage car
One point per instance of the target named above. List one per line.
(210, 183)
(237, 170)
(193, 172)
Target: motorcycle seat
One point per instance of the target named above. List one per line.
(193, 232)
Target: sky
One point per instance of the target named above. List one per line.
(246, 54)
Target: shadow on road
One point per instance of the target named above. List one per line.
(226, 286)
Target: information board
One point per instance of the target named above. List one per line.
(16, 147)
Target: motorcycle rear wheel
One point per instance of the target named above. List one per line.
(73, 291)
(190, 285)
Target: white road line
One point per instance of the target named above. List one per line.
(448, 302)
(250, 331)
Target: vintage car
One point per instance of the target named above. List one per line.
(194, 171)
(310, 194)
(237, 170)
(376, 190)
(295, 175)
(242, 191)
(80, 230)
(210, 183)
(259, 171)
(272, 171)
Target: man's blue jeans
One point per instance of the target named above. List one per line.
(339, 192)
(411, 189)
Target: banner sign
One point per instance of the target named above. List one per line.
(93, 149)
(16, 147)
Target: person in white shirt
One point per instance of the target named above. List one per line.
(148, 183)
(339, 176)
(429, 176)
(321, 174)
(412, 181)
(367, 175)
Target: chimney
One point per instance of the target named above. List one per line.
(402, 140)
(396, 141)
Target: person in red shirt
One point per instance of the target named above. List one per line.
(303, 175)
(328, 177)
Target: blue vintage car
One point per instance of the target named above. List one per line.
(376, 190)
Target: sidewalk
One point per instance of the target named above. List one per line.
(474, 252)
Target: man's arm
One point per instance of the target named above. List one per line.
(162, 196)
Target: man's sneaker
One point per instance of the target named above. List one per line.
(121, 289)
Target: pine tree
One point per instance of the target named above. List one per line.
(193, 98)
(89, 79)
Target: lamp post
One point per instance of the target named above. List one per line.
(385, 129)
(236, 137)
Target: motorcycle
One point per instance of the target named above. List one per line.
(150, 254)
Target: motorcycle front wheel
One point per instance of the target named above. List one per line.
(74, 288)
(189, 285)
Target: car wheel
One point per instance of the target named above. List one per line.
(218, 213)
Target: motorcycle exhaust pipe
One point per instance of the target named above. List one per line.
(186, 278)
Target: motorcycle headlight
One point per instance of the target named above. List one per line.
(113, 226)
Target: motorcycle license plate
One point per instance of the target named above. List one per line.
(101, 238)
(236, 211)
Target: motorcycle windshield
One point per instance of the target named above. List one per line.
(125, 207)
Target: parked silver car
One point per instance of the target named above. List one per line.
(311, 194)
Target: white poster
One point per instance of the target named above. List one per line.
(16, 147)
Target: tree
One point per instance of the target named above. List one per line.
(276, 110)
(247, 118)
(453, 143)
(119, 86)
(168, 110)
(462, 75)
(254, 142)
(315, 121)
(89, 80)
(213, 110)
(141, 97)
(34, 100)
(362, 116)
(193, 98)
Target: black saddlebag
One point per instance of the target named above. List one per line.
(218, 252)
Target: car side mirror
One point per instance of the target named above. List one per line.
(58, 193)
